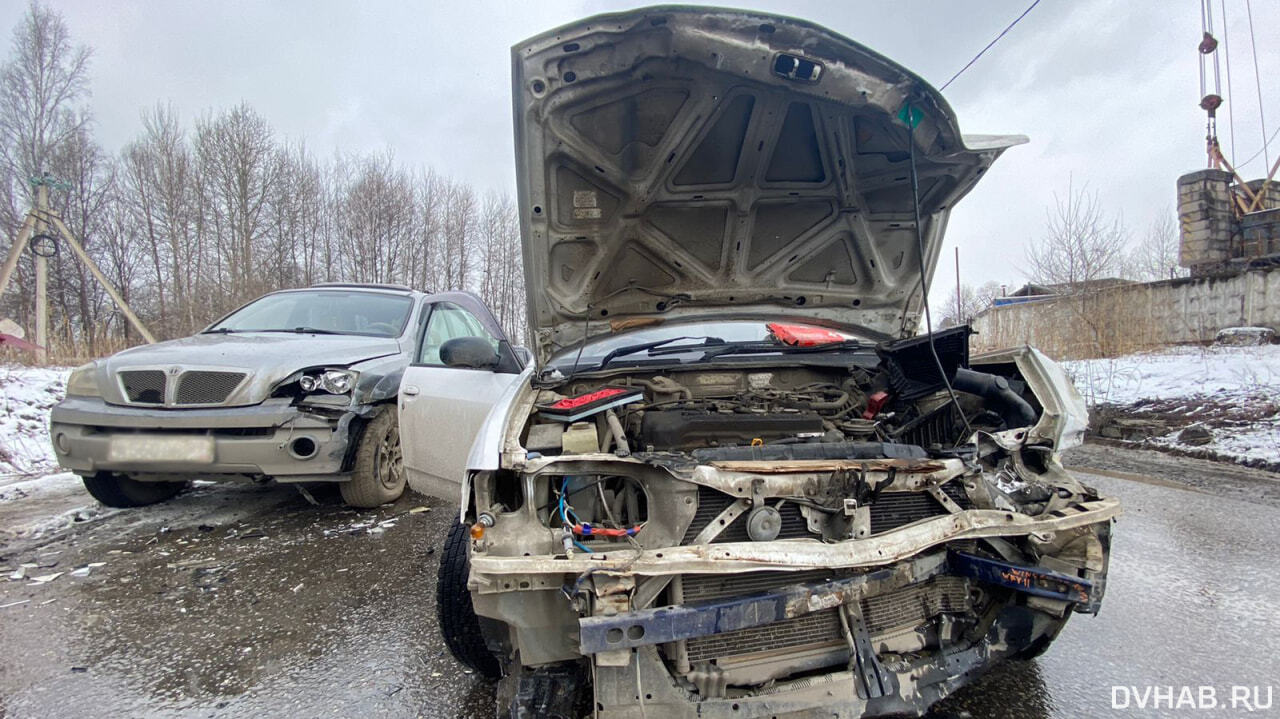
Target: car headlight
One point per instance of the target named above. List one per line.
(82, 382)
(333, 381)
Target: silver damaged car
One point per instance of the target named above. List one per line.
(738, 483)
(296, 386)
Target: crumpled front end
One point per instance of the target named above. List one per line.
(790, 541)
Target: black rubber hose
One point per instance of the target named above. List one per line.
(1014, 410)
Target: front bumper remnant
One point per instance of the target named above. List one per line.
(628, 630)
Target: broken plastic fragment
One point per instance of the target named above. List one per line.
(804, 336)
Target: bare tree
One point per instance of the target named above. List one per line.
(41, 91)
(190, 221)
(238, 165)
(1081, 242)
(1156, 256)
(972, 300)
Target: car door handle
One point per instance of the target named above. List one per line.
(409, 390)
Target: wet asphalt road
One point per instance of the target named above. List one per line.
(249, 601)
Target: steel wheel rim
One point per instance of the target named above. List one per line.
(390, 460)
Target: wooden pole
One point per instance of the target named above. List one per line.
(101, 278)
(959, 320)
(15, 251)
(1262, 193)
(42, 282)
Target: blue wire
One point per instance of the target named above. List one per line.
(582, 546)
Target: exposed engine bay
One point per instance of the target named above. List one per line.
(864, 521)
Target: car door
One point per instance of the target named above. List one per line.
(442, 408)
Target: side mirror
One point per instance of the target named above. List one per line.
(469, 353)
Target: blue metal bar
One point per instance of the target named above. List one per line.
(668, 624)
(1030, 580)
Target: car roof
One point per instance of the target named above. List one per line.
(385, 287)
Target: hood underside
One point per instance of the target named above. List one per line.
(688, 162)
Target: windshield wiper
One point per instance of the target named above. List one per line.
(757, 348)
(306, 331)
(219, 331)
(650, 346)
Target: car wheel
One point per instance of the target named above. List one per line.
(117, 490)
(457, 618)
(377, 474)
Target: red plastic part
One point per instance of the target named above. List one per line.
(874, 404)
(804, 336)
(584, 399)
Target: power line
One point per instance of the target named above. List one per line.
(988, 47)
(1254, 156)
(1257, 79)
(1226, 49)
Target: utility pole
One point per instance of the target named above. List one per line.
(42, 275)
(41, 229)
(959, 320)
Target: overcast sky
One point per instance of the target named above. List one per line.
(1107, 91)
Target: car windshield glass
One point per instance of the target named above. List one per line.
(688, 341)
(372, 314)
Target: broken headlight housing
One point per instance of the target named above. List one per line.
(333, 381)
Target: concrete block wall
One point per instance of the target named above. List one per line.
(1133, 318)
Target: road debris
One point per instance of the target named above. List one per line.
(14, 604)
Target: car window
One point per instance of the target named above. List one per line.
(448, 321)
(353, 313)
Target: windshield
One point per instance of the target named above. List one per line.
(371, 314)
(688, 333)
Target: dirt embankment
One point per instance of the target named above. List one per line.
(1240, 429)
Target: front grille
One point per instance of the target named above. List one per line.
(891, 510)
(909, 606)
(144, 386)
(206, 387)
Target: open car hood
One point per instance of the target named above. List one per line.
(696, 162)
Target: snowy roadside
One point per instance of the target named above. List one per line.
(26, 396)
(1212, 402)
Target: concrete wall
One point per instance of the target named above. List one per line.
(1132, 318)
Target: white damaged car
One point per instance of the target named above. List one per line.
(737, 483)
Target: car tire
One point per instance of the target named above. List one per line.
(117, 490)
(456, 615)
(377, 472)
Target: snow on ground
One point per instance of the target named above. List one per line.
(1232, 392)
(26, 396)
